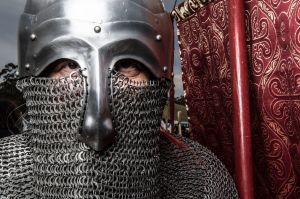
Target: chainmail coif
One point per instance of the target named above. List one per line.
(63, 167)
(138, 165)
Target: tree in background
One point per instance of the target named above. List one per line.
(8, 72)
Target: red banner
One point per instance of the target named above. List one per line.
(273, 37)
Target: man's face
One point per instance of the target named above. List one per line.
(129, 68)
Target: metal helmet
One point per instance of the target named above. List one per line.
(96, 34)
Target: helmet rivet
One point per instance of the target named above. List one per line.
(165, 69)
(97, 29)
(27, 66)
(17, 73)
(158, 37)
(33, 37)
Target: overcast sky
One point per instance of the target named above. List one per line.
(10, 11)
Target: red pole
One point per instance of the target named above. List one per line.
(241, 117)
(172, 103)
(172, 90)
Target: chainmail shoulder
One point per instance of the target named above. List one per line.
(192, 171)
(15, 168)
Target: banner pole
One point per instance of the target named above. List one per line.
(240, 93)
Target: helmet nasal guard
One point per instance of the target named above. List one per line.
(96, 34)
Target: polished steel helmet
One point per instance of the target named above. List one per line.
(96, 34)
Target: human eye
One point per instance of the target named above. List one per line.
(71, 65)
(129, 71)
(132, 69)
(60, 68)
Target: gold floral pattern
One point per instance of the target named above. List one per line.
(188, 8)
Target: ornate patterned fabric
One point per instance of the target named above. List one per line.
(273, 36)
(206, 79)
